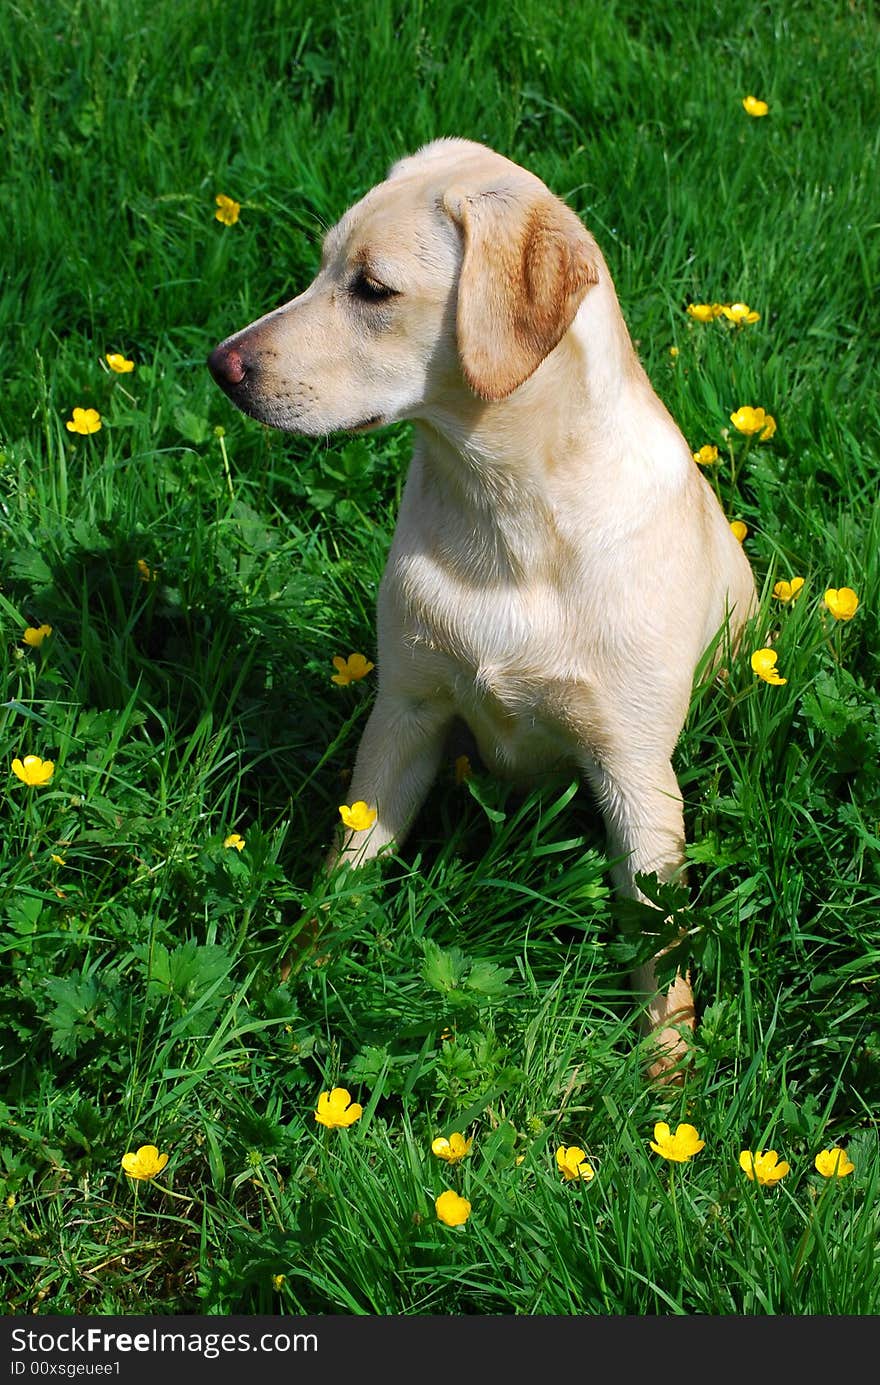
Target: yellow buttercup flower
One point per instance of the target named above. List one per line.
(680, 1147)
(144, 1164)
(842, 602)
(749, 420)
(834, 1163)
(572, 1163)
(350, 670)
(738, 529)
(752, 106)
(453, 1149)
(84, 421)
(32, 770)
(463, 769)
(34, 635)
(763, 663)
(452, 1209)
(787, 591)
(59, 860)
(278, 1280)
(336, 1110)
(702, 312)
(769, 428)
(358, 817)
(145, 572)
(227, 210)
(765, 1168)
(740, 313)
(706, 455)
(674, 351)
(118, 364)
(234, 840)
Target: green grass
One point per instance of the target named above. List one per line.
(142, 997)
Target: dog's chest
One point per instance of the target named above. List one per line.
(508, 657)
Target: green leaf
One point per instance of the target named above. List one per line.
(23, 914)
(188, 972)
(84, 1008)
(488, 979)
(443, 971)
(192, 426)
(478, 794)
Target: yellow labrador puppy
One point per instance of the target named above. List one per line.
(559, 564)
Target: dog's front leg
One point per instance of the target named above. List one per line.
(641, 805)
(396, 764)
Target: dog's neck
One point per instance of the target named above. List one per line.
(578, 389)
(503, 467)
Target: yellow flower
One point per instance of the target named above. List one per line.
(463, 769)
(759, 1167)
(764, 665)
(453, 1149)
(349, 670)
(740, 313)
(32, 770)
(234, 840)
(572, 1162)
(118, 363)
(358, 817)
(145, 572)
(337, 1110)
(84, 421)
(452, 1209)
(787, 591)
(145, 1164)
(278, 1280)
(842, 602)
(706, 455)
(834, 1163)
(34, 636)
(769, 428)
(227, 210)
(703, 312)
(680, 1147)
(749, 420)
(59, 860)
(673, 351)
(752, 106)
(738, 529)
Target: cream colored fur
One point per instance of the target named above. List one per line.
(559, 564)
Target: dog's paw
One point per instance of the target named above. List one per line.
(304, 948)
(668, 1053)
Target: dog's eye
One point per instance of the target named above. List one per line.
(370, 290)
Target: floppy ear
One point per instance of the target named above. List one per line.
(528, 262)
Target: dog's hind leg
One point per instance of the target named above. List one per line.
(641, 804)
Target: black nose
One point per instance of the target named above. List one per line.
(226, 366)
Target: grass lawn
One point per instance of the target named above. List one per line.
(199, 573)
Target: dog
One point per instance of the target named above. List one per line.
(560, 565)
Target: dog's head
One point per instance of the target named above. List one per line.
(460, 270)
